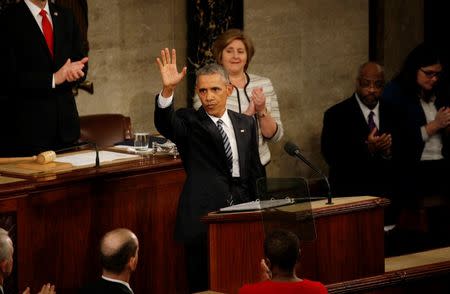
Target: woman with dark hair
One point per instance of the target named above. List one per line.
(252, 95)
(422, 141)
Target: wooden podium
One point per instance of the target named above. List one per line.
(56, 221)
(349, 243)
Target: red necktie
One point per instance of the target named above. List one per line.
(48, 31)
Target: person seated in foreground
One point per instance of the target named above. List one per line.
(282, 251)
(6, 264)
(119, 257)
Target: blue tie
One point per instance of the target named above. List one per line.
(226, 145)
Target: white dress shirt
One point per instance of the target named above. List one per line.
(366, 111)
(227, 127)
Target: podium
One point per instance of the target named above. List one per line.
(349, 243)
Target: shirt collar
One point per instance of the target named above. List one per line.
(225, 118)
(118, 281)
(35, 9)
(366, 110)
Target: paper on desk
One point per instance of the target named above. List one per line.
(88, 158)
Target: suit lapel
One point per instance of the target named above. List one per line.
(30, 22)
(208, 125)
(57, 33)
(240, 131)
(361, 125)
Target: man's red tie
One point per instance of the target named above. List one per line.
(48, 31)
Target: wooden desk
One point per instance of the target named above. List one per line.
(58, 221)
(349, 244)
(421, 272)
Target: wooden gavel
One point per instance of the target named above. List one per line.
(41, 158)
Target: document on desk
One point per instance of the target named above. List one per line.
(88, 158)
(258, 205)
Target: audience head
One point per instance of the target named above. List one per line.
(119, 251)
(234, 50)
(421, 69)
(370, 83)
(6, 254)
(282, 249)
(213, 88)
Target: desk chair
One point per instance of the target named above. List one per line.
(105, 129)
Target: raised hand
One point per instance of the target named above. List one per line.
(70, 71)
(170, 76)
(259, 99)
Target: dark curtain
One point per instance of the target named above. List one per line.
(5, 3)
(207, 19)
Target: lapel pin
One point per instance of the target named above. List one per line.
(242, 131)
(55, 13)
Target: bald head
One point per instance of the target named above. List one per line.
(370, 83)
(117, 248)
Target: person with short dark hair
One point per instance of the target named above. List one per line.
(119, 257)
(219, 152)
(282, 254)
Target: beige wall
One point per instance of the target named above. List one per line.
(309, 49)
(125, 38)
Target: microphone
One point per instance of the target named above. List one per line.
(294, 151)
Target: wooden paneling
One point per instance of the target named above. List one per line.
(60, 223)
(349, 244)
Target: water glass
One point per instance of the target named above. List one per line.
(141, 141)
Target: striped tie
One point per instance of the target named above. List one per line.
(226, 144)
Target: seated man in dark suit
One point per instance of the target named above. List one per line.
(219, 151)
(357, 138)
(282, 251)
(119, 256)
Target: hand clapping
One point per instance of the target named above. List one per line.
(46, 289)
(70, 71)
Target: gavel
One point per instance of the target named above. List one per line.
(41, 158)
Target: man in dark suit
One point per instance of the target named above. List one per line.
(356, 138)
(41, 59)
(219, 152)
(119, 257)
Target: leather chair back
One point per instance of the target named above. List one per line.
(105, 129)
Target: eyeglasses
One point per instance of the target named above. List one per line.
(430, 73)
(365, 83)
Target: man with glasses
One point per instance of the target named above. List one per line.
(357, 140)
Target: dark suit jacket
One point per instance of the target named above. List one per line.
(411, 118)
(106, 287)
(353, 170)
(207, 186)
(40, 118)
